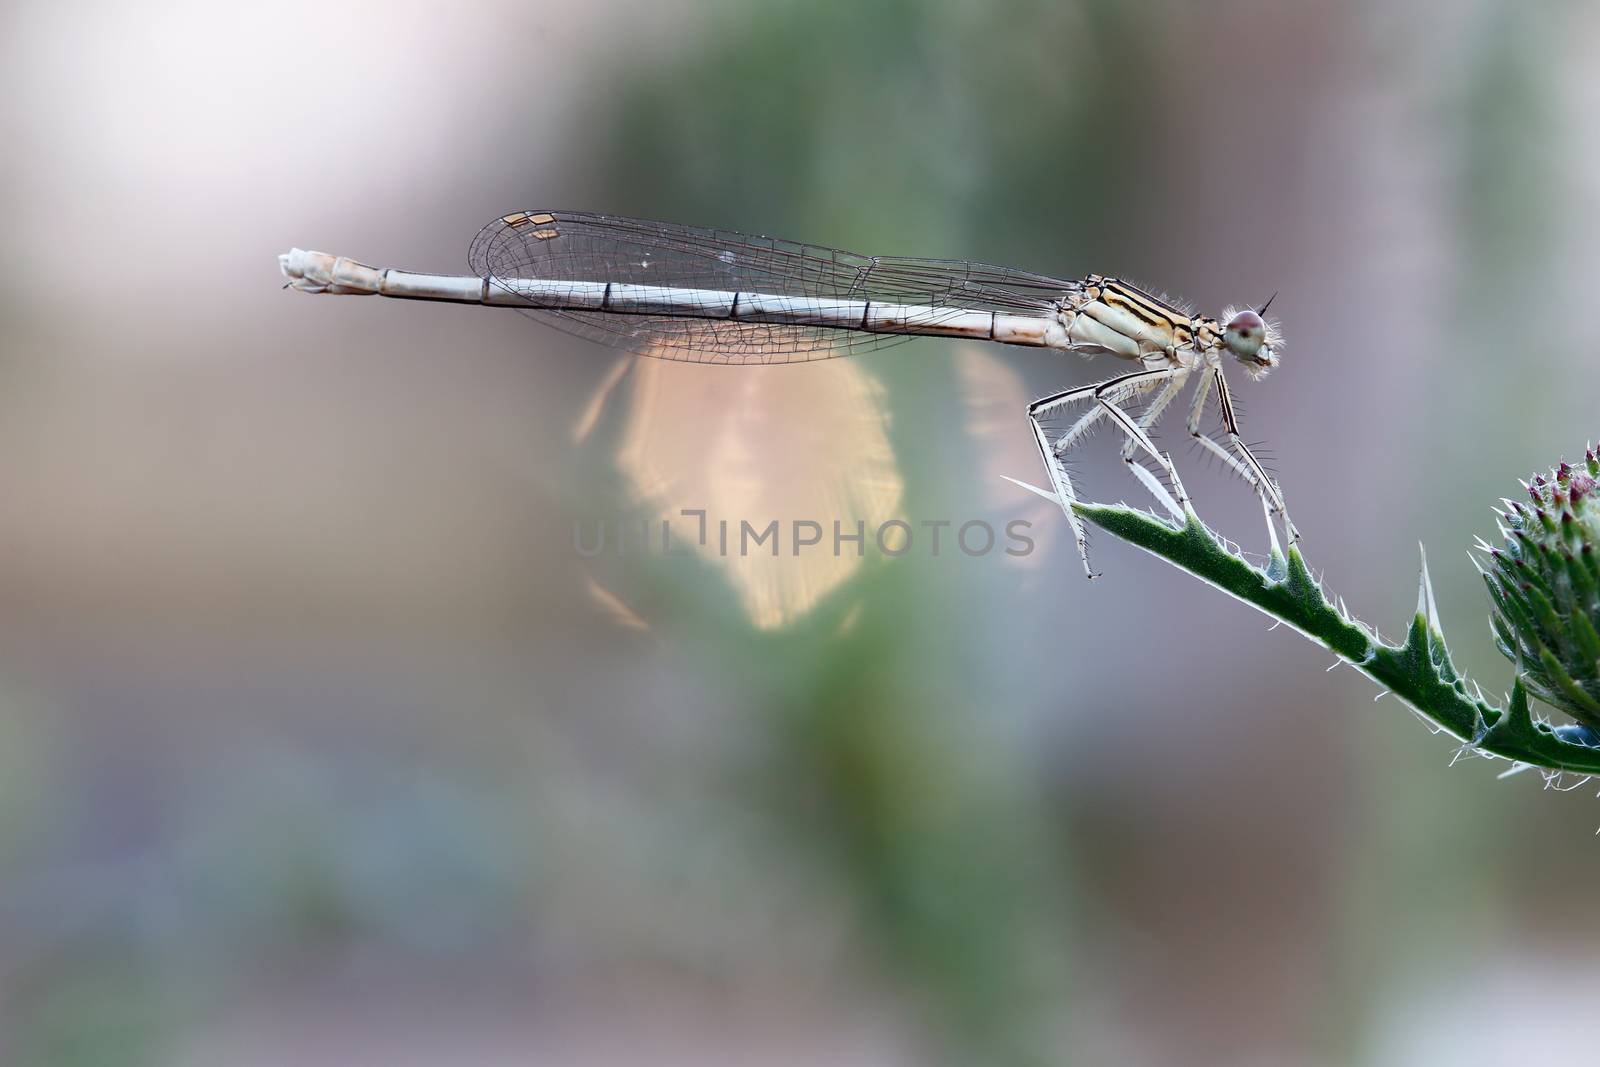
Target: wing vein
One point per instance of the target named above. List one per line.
(616, 250)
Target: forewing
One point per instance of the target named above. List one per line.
(584, 247)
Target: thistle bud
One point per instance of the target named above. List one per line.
(1545, 585)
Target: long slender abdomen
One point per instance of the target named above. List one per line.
(319, 272)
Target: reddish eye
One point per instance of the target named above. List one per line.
(1245, 323)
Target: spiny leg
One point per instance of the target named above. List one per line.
(1197, 409)
(1060, 482)
(1108, 394)
(1271, 493)
(1146, 420)
(1245, 464)
(1134, 429)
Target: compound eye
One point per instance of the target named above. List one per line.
(1247, 322)
(1245, 333)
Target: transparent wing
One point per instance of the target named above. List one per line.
(584, 247)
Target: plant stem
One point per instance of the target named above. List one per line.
(1419, 672)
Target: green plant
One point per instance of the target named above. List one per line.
(1545, 589)
(1545, 586)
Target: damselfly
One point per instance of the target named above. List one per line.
(713, 296)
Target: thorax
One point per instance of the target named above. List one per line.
(1113, 317)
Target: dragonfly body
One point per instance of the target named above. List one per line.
(1098, 316)
(686, 293)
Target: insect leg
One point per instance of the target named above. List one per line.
(1245, 463)
(1104, 396)
(1060, 481)
(1145, 420)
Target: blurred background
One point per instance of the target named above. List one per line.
(322, 742)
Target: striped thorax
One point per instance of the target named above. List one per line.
(1117, 318)
(1108, 315)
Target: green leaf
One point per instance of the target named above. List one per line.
(1419, 672)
